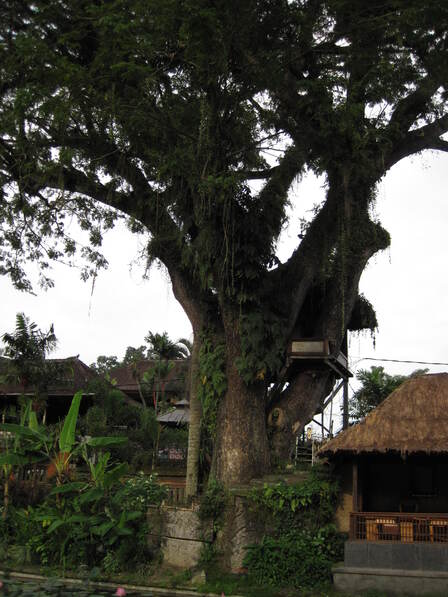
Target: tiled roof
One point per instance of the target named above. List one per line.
(125, 378)
(75, 375)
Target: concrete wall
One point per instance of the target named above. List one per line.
(411, 568)
(407, 556)
(409, 582)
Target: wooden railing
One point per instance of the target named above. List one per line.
(176, 495)
(399, 527)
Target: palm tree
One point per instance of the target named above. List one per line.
(161, 347)
(185, 347)
(376, 386)
(27, 348)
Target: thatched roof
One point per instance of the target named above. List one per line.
(414, 418)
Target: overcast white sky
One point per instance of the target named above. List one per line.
(408, 284)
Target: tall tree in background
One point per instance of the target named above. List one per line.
(162, 112)
(376, 386)
(27, 349)
(162, 347)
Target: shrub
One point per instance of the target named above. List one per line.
(84, 524)
(303, 543)
(213, 502)
(310, 504)
(299, 559)
(141, 491)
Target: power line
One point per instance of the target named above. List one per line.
(399, 361)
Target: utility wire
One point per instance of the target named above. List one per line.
(399, 361)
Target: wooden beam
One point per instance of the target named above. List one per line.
(355, 488)
(320, 425)
(332, 395)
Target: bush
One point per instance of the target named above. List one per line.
(304, 544)
(299, 559)
(213, 502)
(84, 524)
(141, 491)
(310, 504)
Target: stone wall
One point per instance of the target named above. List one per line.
(179, 534)
(242, 527)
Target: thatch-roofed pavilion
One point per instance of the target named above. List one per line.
(394, 480)
(398, 455)
(414, 418)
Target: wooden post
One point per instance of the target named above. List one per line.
(345, 389)
(355, 489)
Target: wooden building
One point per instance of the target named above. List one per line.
(129, 379)
(394, 483)
(71, 375)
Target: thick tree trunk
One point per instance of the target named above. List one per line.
(296, 408)
(194, 431)
(360, 238)
(241, 450)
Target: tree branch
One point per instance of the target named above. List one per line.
(425, 137)
(410, 107)
(296, 275)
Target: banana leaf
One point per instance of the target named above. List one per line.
(67, 436)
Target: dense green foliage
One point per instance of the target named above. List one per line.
(163, 112)
(99, 523)
(111, 413)
(376, 386)
(95, 521)
(213, 502)
(310, 503)
(26, 350)
(212, 382)
(299, 559)
(304, 543)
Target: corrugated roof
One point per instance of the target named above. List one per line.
(178, 416)
(414, 418)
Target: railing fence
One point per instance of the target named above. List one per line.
(399, 527)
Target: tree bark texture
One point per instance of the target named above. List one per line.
(359, 239)
(298, 405)
(194, 430)
(241, 450)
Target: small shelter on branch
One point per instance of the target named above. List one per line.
(394, 479)
(320, 354)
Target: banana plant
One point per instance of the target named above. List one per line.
(13, 455)
(60, 449)
(101, 475)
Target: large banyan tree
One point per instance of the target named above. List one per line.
(162, 111)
